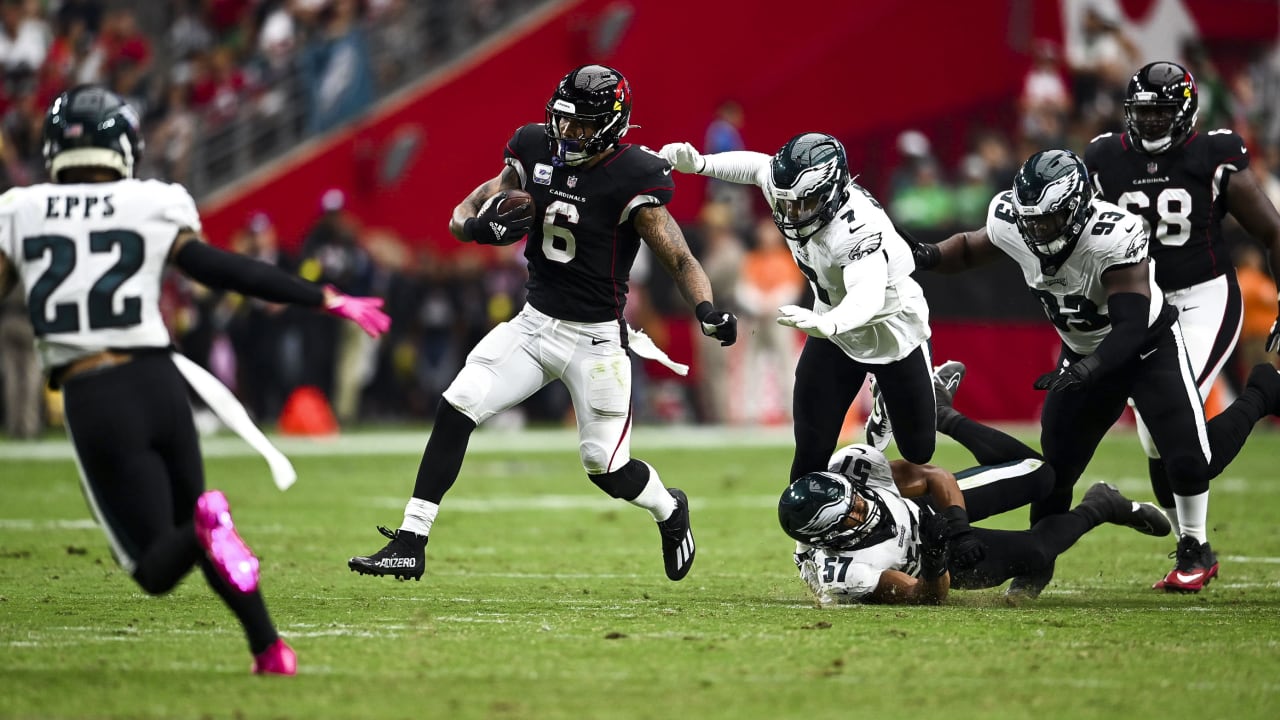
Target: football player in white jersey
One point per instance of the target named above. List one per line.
(1086, 261)
(869, 316)
(89, 250)
(905, 525)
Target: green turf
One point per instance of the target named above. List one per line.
(543, 600)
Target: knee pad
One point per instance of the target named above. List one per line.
(626, 482)
(468, 391)
(1188, 475)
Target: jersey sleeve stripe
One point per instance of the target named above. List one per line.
(519, 168)
(637, 202)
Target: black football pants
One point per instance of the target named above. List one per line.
(828, 380)
(142, 472)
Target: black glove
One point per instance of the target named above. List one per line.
(1076, 376)
(490, 227)
(1273, 339)
(718, 324)
(926, 255)
(933, 544)
(966, 549)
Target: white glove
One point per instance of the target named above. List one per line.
(808, 321)
(804, 553)
(683, 157)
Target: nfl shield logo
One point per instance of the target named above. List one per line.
(572, 181)
(1152, 167)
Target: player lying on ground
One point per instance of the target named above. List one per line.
(869, 530)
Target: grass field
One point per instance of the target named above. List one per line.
(544, 599)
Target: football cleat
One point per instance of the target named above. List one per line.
(878, 430)
(230, 556)
(403, 557)
(678, 548)
(1266, 379)
(279, 659)
(1120, 510)
(1029, 586)
(946, 381)
(1195, 565)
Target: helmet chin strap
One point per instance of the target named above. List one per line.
(1155, 147)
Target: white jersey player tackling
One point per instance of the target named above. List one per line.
(869, 316)
(1086, 261)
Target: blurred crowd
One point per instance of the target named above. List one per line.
(303, 66)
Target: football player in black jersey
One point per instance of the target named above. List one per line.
(596, 199)
(1182, 183)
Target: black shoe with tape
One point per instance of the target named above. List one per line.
(677, 538)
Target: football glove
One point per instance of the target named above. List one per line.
(926, 255)
(718, 324)
(1076, 376)
(363, 311)
(966, 549)
(807, 321)
(803, 554)
(683, 157)
(1273, 339)
(933, 544)
(489, 227)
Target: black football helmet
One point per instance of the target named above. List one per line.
(818, 509)
(1051, 200)
(595, 95)
(810, 178)
(1160, 106)
(89, 126)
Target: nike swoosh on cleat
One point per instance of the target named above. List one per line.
(1187, 578)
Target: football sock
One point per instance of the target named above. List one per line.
(442, 458)
(1172, 514)
(1229, 429)
(419, 515)
(655, 498)
(1058, 532)
(248, 607)
(1193, 511)
(988, 445)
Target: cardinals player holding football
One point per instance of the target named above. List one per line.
(596, 200)
(1182, 183)
(869, 316)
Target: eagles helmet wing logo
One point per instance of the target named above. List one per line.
(866, 246)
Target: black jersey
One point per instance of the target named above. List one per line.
(583, 242)
(1181, 195)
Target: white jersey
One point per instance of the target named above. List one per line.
(846, 576)
(1073, 296)
(90, 257)
(861, 232)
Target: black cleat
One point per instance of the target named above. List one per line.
(404, 557)
(1029, 586)
(946, 381)
(878, 429)
(677, 538)
(1266, 379)
(1195, 564)
(1115, 508)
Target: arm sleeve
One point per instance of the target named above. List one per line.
(1128, 312)
(229, 271)
(864, 285)
(739, 166)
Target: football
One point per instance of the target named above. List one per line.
(517, 205)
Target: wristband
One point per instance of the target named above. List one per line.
(957, 520)
(703, 309)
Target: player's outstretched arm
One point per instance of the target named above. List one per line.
(744, 167)
(899, 588)
(228, 271)
(955, 254)
(1249, 205)
(663, 236)
(469, 208)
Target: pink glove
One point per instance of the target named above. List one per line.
(363, 311)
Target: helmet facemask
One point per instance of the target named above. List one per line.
(588, 114)
(1160, 107)
(825, 510)
(1051, 196)
(810, 179)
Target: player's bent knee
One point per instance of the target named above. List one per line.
(1188, 474)
(917, 450)
(626, 482)
(468, 391)
(152, 585)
